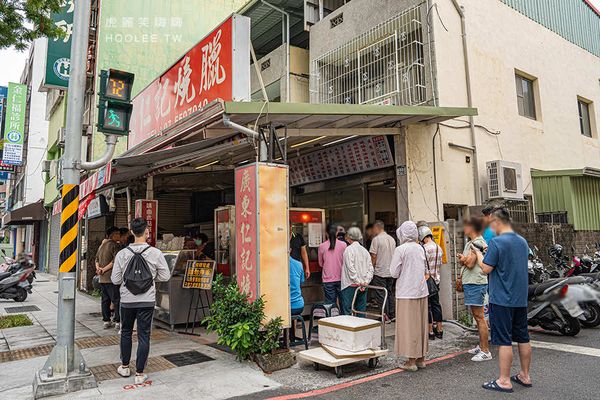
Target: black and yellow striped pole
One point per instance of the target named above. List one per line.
(69, 227)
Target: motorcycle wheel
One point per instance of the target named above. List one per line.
(572, 326)
(21, 295)
(594, 319)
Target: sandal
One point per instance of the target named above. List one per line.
(517, 379)
(493, 385)
(421, 365)
(409, 368)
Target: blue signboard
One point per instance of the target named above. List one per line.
(3, 94)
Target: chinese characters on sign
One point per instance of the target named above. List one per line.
(215, 68)
(348, 158)
(14, 124)
(148, 209)
(199, 274)
(438, 237)
(246, 230)
(58, 59)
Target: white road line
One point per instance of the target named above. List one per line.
(568, 348)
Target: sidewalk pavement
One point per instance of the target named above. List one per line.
(179, 367)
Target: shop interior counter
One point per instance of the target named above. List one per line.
(172, 300)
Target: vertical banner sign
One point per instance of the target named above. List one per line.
(218, 67)
(246, 232)
(69, 225)
(58, 59)
(14, 124)
(262, 241)
(148, 209)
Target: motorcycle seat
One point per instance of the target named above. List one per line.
(4, 275)
(539, 288)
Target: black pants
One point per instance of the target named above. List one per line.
(143, 316)
(390, 285)
(110, 294)
(435, 308)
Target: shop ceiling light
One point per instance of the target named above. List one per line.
(207, 165)
(307, 142)
(340, 140)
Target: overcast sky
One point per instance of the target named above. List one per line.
(12, 61)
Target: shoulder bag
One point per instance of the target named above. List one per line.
(431, 285)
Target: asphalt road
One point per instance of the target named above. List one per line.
(558, 372)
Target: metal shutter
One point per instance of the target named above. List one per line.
(174, 211)
(54, 244)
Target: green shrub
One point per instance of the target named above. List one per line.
(12, 321)
(237, 321)
(465, 318)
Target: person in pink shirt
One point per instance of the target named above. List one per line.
(331, 257)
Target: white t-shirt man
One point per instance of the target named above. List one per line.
(383, 246)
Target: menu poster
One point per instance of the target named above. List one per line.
(356, 156)
(315, 234)
(199, 274)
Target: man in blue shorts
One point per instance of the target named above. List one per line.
(506, 265)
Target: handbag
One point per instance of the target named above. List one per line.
(432, 287)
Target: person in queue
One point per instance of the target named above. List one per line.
(138, 308)
(357, 272)
(105, 257)
(409, 267)
(488, 232)
(125, 237)
(298, 250)
(475, 285)
(506, 264)
(434, 260)
(331, 259)
(369, 235)
(296, 299)
(382, 250)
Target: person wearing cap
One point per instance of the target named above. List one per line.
(488, 232)
(357, 272)
(434, 260)
(409, 267)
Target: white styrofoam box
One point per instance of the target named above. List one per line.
(350, 333)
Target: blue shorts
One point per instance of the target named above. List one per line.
(475, 294)
(508, 324)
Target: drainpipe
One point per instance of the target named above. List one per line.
(111, 143)
(250, 133)
(461, 13)
(287, 41)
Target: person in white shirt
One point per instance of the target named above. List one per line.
(357, 272)
(409, 266)
(382, 249)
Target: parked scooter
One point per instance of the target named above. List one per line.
(538, 273)
(24, 261)
(15, 285)
(551, 309)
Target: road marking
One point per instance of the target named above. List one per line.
(568, 348)
(369, 378)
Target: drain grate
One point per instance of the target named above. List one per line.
(187, 358)
(109, 371)
(21, 309)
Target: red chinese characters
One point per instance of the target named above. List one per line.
(148, 209)
(246, 229)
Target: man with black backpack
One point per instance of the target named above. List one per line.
(136, 268)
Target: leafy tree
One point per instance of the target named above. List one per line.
(22, 21)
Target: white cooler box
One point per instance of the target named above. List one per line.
(350, 333)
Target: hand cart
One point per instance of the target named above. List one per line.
(323, 356)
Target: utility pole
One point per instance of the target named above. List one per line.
(65, 370)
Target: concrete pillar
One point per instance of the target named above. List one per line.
(401, 177)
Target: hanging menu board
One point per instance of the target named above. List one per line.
(353, 157)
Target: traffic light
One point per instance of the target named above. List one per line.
(114, 107)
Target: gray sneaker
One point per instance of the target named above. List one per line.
(108, 325)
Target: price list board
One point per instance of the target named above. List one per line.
(198, 274)
(353, 157)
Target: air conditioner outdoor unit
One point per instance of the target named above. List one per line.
(505, 180)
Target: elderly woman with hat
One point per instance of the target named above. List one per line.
(409, 267)
(357, 272)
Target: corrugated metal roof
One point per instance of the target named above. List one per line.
(577, 21)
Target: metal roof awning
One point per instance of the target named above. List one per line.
(25, 215)
(586, 171)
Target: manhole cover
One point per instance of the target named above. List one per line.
(21, 309)
(187, 358)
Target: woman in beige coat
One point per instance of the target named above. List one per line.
(409, 266)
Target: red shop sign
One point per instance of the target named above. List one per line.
(218, 67)
(148, 209)
(246, 230)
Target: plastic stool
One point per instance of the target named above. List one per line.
(318, 311)
(293, 330)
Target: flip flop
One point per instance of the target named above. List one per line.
(518, 380)
(493, 385)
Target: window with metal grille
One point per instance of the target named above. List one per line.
(520, 211)
(585, 125)
(525, 97)
(553, 218)
(386, 65)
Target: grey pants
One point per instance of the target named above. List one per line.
(390, 285)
